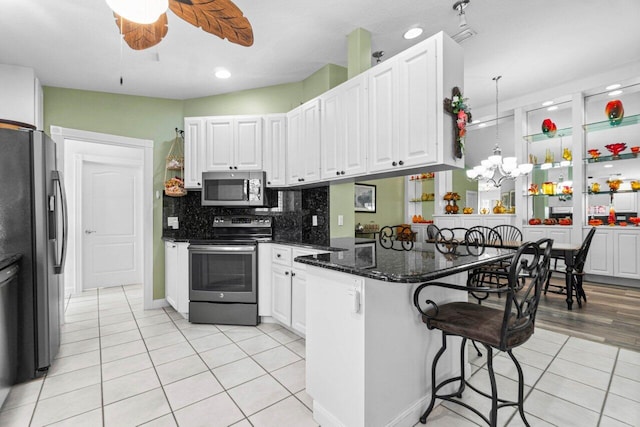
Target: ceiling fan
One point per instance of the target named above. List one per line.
(143, 23)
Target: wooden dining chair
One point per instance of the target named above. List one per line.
(577, 271)
(501, 328)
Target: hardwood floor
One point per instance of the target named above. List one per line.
(611, 315)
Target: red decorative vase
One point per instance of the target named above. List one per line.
(614, 112)
(549, 128)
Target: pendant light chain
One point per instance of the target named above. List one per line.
(496, 79)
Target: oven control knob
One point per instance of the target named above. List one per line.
(221, 295)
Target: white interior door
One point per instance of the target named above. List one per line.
(111, 225)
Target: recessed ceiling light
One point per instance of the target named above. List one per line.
(482, 125)
(615, 92)
(222, 73)
(552, 108)
(608, 166)
(613, 86)
(547, 103)
(412, 33)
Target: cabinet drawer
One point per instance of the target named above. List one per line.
(281, 255)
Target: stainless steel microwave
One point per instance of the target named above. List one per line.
(235, 189)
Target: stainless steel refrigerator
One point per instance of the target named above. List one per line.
(33, 223)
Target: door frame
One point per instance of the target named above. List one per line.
(59, 135)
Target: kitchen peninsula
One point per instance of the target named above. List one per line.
(368, 352)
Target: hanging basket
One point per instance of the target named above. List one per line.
(174, 186)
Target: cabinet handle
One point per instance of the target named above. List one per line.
(235, 167)
(286, 273)
(342, 173)
(293, 274)
(199, 184)
(269, 182)
(337, 172)
(394, 164)
(230, 167)
(278, 255)
(401, 163)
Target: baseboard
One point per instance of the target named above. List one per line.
(410, 416)
(324, 417)
(159, 303)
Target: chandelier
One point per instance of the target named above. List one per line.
(495, 169)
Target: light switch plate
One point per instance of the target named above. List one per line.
(172, 222)
(340, 219)
(314, 220)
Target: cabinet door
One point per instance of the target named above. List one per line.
(626, 253)
(193, 152)
(171, 273)
(383, 115)
(310, 156)
(333, 141)
(275, 139)
(247, 143)
(560, 235)
(419, 105)
(600, 256)
(625, 202)
(299, 301)
(218, 155)
(354, 126)
(533, 234)
(294, 151)
(281, 294)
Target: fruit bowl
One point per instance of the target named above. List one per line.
(635, 220)
(616, 148)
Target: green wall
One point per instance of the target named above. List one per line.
(124, 115)
(389, 197)
(461, 185)
(157, 118)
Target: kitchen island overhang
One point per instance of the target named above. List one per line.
(368, 352)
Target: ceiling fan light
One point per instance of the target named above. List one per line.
(222, 73)
(139, 11)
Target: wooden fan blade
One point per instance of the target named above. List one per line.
(142, 36)
(219, 17)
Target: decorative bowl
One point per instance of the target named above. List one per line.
(635, 150)
(614, 184)
(594, 153)
(614, 111)
(635, 220)
(616, 148)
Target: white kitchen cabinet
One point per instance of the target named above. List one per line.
(275, 140)
(303, 143)
(287, 282)
(20, 95)
(344, 123)
(471, 220)
(408, 127)
(193, 151)
(233, 142)
(559, 233)
(176, 280)
(614, 252)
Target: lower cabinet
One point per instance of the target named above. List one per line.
(285, 283)
(614, 252)
(176, 276)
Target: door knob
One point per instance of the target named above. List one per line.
(89, 231)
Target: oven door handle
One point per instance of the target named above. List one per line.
(222, 248)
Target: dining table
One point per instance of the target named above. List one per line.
(560, 251)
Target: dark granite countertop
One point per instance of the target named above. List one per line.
(8, 259)
(335, 245)
(421, 264)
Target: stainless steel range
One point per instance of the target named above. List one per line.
(223, 271)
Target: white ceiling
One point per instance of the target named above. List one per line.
(532, 44)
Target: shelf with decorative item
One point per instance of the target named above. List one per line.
(612, 158)
(606, 124)
(560, 196)
(609, 192)
(537, 137)
(554, 165)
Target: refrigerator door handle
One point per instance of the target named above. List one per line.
(57, 179)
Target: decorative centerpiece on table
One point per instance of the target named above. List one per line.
(459, 108)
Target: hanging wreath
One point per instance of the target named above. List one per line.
(458, 107)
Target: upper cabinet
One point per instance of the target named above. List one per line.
(550, 149)
(611, 163)
(303, 143)
(20, 96)
(275, 139)
(344, 129)
(193, 151)
(408, 126)
(233, 142)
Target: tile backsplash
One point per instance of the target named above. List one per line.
(292, 218)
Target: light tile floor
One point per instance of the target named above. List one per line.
(119, 365)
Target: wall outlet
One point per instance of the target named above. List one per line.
(172, 222)
(314, 220)
(340, 219)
